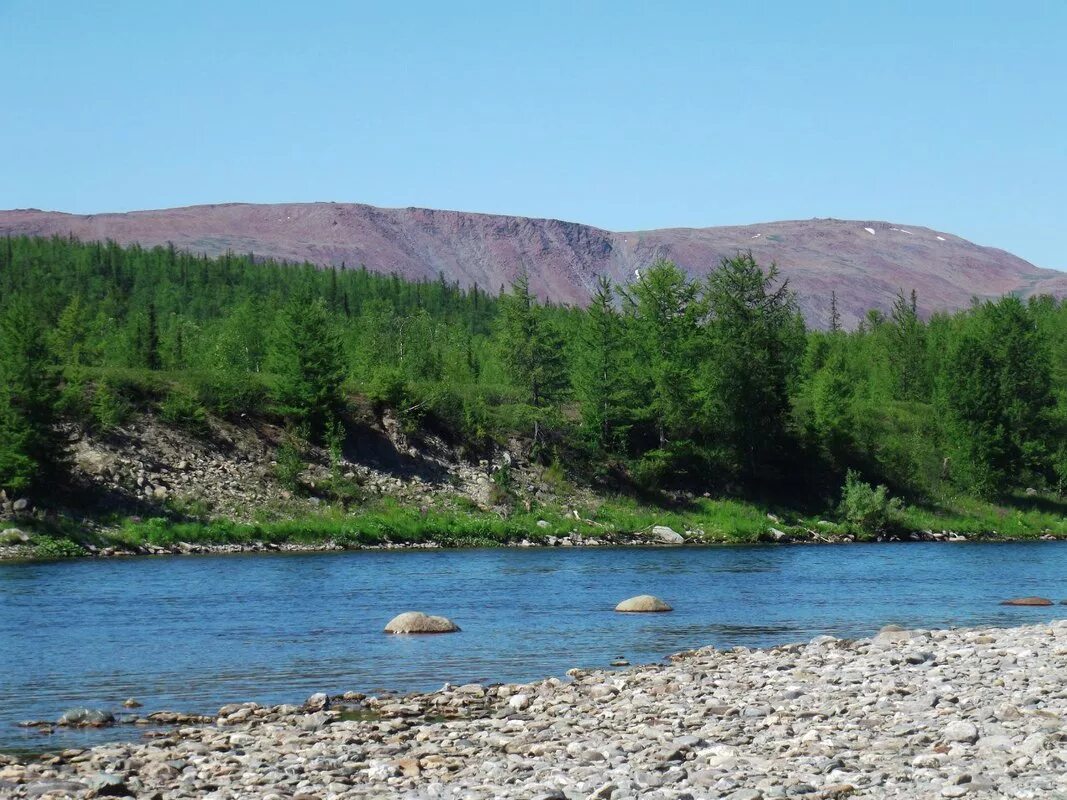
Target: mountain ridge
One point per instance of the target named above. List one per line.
(865, 262)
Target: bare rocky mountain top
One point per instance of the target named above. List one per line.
(864, 262)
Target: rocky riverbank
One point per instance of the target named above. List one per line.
(21, 547)
(906, 714)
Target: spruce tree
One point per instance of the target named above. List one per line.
(981, 459)
(907, 349)
(835, 315)
(151, 347)
(831, 399)
(667, 315)
(29, 445)
(601, 374)
(307, 359)
(998, 391)
(756, 337)
(532, 352)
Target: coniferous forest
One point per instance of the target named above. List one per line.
(664, 384)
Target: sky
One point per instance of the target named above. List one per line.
(628, 116)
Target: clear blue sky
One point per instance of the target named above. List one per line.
(623, 115)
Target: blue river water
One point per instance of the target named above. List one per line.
(191, 633)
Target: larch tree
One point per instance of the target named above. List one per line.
(531, 350)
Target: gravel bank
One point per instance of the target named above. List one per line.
(916, 714)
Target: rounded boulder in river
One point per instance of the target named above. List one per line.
(417, 622)
(643, 603)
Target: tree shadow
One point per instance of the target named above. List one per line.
(370, 446)
(1040, 503)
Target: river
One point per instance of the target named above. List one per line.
(191, 633)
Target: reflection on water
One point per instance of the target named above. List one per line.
(193, 633)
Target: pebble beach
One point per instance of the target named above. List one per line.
(905, 714)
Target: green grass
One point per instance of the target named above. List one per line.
(708, 520)
(1017, 517)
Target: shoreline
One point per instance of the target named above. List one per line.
(10, 554)
(905, 713)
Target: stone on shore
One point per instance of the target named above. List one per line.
(86, 717)
(319, 701)
(1027, 601)
(643, 603)
(961, 731)
(14, 536)
(106, 784)
(417, 622)
(667, 535)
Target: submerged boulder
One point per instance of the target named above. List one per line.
(417, 622)
(1027, 601)
(642, 603)
(86, 717)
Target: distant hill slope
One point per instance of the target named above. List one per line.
(864, 262)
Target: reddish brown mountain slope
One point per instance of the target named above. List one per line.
(864, 262)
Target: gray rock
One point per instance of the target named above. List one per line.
(745, 794)
(56, 787)
(417, 622)
(319, 701)
(643, 603)
(667, 535)
(960, 731)
(312, 722)
(105, 784)
(85, 717)
(14, 536)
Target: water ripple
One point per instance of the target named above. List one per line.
(194, 633)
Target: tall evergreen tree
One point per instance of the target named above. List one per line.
(907, 349)
(29, 445)
(601, 375)
(667, 313)
(998, 391)
(831, 398)
(532, 352)
(68, 339)
(835, 315)
(981, 458)
(307, 359)
(1025, 382)
(757, 337)
(151, 348)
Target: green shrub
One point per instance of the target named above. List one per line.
(230, 394)
(500, 489)
(73, 402)
(556, 477)
(290, 462)
(57, 548)
(183, 410)
(108, 407)
(868, 509)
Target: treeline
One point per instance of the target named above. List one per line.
(666, 382)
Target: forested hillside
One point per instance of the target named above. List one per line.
(665, 384)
